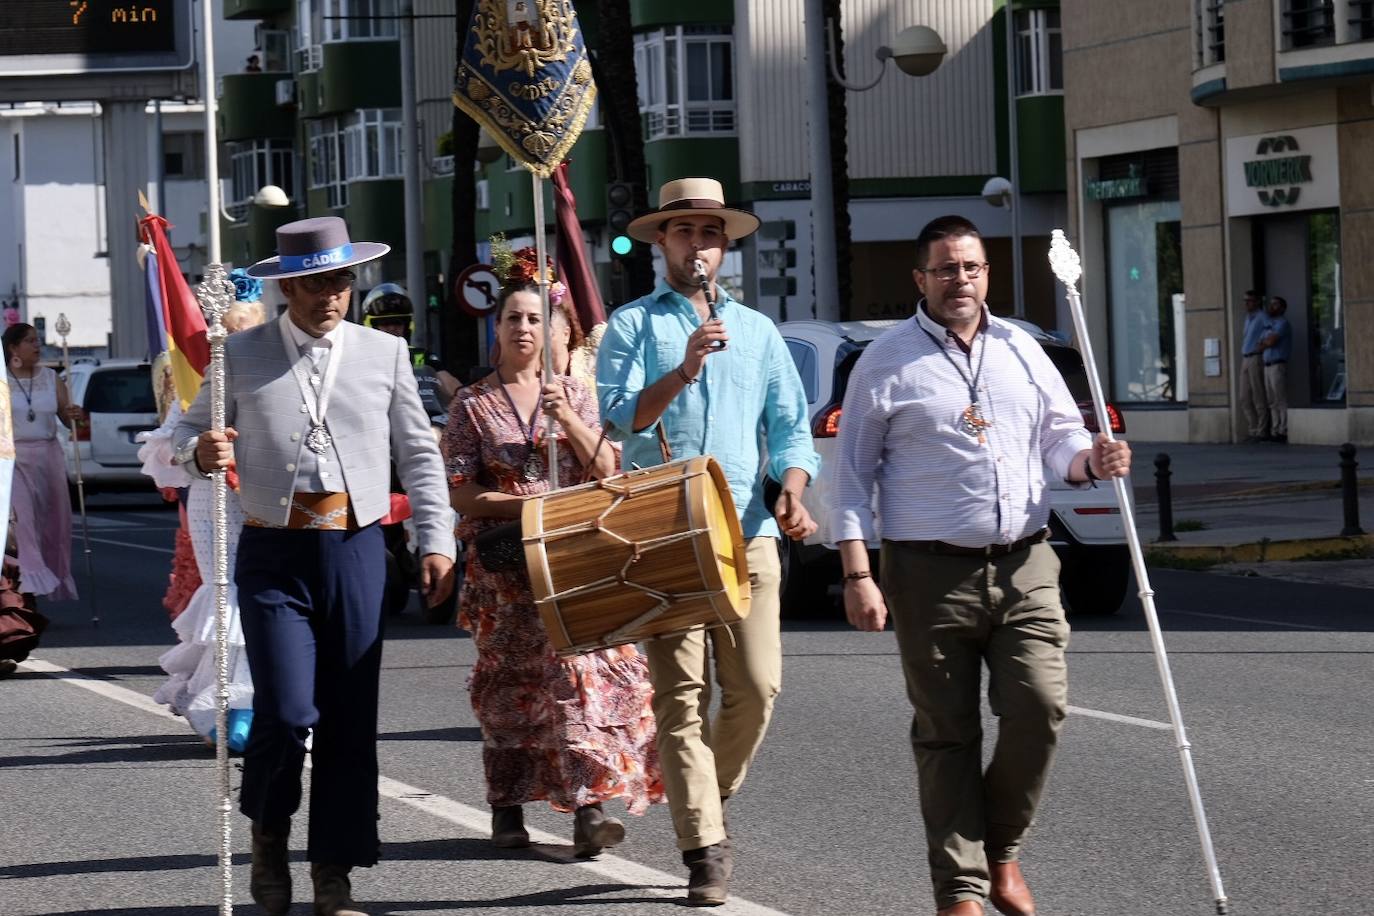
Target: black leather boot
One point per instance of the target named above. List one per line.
(270, 877)
(508, 827)
(333, 891)
(593, 831)
(708, 879)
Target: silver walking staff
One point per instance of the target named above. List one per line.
(215, 294)
(63, 328)
(1066, 266)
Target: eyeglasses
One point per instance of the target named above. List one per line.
(335, 282)
(946, 272)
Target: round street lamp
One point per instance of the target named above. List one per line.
(917, 50)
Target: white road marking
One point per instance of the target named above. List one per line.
(1117, 717)
(77, 537)
(1271, 623)
(474, 820)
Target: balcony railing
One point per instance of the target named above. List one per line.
(1309, 23)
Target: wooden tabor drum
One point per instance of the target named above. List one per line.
(647, 553)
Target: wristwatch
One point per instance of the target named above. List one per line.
(185, 455)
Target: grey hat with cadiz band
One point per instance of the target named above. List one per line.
(313, 246)
(692, 197)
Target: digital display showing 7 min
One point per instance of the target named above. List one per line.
(87, 27)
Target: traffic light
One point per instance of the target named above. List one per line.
(620, 210)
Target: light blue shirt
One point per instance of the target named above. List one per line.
(748, 401)
(1283, 347)
(1254, 332)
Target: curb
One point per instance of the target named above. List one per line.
(1259, 551)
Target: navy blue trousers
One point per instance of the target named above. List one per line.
(311, 603)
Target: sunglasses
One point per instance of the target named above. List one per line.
(335, 282)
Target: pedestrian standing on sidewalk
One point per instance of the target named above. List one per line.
(1278, 347)
(1254, 405)
(316, 410)
(958, 420)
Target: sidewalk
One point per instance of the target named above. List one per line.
(1255, 505)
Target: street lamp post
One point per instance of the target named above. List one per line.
(917, 51)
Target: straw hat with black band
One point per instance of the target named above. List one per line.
(692, 197)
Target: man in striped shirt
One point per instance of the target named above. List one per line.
(956, 418)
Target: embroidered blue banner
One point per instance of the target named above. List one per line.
(525, 77)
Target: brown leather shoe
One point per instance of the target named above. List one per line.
(962, 908)
(593, 831)
(508, 827)
(1009, 892)
(333, 891)
(708, 880)
(270, 876)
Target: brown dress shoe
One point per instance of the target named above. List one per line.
(708, 879)
(962, 908)
(270, 876)
(1009, 892)
(593, 831)
(508, 827)
(333, 891)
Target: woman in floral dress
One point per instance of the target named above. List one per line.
(577, 731)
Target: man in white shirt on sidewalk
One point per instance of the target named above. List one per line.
(957, 418)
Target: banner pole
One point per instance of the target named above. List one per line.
(542, 275)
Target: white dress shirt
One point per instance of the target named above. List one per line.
(318, 473)
(901, 432)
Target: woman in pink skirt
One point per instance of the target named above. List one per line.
(42, 508)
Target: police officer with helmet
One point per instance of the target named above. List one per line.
(387, 308)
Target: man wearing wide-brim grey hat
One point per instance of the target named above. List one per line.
(315, 409)
(712, 373)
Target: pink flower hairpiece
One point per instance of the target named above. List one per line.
(557, 293)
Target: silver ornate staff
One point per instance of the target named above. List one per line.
(63, 328)
(1067, 267)
(215, 294)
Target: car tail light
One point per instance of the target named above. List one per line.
(827, 425)
(1090, 417)
(1096, 510)
(83, 428)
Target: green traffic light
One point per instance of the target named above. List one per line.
(622, 244)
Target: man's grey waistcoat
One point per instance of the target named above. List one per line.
(374, 414)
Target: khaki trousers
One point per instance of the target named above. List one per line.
(1276, 385)
(704, 761)
(1254, 405)
(952, 615)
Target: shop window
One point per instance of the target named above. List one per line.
(1145, 285)
(686, 81)
(1039, 52)
(1209, 32)
(255, 163)
(1308, 23)
(1326, 317)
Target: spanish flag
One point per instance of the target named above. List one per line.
(186, 341)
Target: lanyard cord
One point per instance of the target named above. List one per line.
(977, 371)
(527, 433)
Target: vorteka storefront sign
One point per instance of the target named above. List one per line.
(1282, 171)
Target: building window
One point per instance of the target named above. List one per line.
(183, 156)
(255, 163)
(1145, 286)
(327, 161)
(1039, 52)
(1361, 21)
(1308, 23)
(1209, 32)
(372, 144)
(686, 80)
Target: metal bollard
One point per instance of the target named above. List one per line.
(1350, 492)
(1165, 497)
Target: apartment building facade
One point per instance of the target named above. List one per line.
(1216, 147)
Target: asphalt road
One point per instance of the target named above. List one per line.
(109, 806)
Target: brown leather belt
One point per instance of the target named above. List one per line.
(992, 550)
(315, 512)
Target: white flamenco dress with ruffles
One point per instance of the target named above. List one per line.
(192, 688)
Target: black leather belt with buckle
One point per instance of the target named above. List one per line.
(992, 550)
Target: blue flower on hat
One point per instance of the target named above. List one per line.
(246, 288)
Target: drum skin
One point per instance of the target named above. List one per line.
(642, 554)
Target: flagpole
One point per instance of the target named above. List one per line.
(63, 328)
(542, 274)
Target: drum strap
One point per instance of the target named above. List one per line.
(663, 445)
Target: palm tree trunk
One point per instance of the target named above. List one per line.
(458, 331)
(839, 165)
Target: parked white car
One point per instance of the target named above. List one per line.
(1085, 524)
(117, 403)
